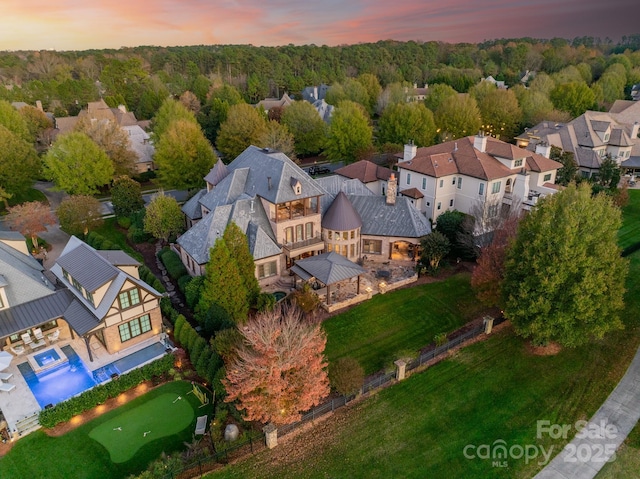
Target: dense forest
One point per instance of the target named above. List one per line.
(142, 77)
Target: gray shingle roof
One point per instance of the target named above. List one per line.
(217, 173)
(329, 268)
(341, 215)
(191, 208)
(23, 275)
(202, 236)
(332, 185)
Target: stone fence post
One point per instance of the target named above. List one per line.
(488, 324)
(400, 369)
(270, 435)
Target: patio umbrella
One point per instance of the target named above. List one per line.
(5, 360)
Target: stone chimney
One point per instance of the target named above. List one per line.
(634, 130)
(410, 151)
(315, 93)
(543, 148)
(392, 188)
(480, 142)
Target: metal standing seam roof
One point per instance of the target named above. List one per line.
(341, 215)
(329, 268)
(380, 219)
(80, 262)
(118, 258)
(34, 313)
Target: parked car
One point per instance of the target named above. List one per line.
(319, 170)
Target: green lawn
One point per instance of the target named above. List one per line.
(112, 232)
(630, 231)
(93, 451)
(627, 461)
(491, 391)
(376, 332)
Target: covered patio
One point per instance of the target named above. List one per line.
(335, 279)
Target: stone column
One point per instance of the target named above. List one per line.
(270, 435)
(400, 369)
(488, 324)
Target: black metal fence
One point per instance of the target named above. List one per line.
(256, 442)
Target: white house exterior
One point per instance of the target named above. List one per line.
(475, 171)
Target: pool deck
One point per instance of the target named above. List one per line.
(20, 403)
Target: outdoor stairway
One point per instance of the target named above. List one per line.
(28, 424)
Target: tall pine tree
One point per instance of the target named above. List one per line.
(238, 245)
(223, 284)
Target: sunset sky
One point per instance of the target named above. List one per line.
(84, 24)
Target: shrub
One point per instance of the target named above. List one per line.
(198, 348)
(124, 222)
(265, 302)
(172, 262)
(168, 310)
(346, 376)
(179, 325)
(193, 290)
(183, 282)
(440, 339)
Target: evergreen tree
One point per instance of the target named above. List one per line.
(238, 245)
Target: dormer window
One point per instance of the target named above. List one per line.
(606, 137)
(296, 185)
(517, 163)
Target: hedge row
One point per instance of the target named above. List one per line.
(98, 241)
(64, 411)
(206, 361)
(148, 277)
(172, 262)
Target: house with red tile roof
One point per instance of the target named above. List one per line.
(475, 171)
(375, 177)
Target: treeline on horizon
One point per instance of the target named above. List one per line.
(141, 77)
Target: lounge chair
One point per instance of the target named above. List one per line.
(26, 339)
(37, 332)
(53, 336)
(201, 425)
(6, 387)
(18, 349)
(5, 376)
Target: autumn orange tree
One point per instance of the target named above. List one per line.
(486, 279)
(279, 370)
(30, 219)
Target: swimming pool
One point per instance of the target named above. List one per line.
(129, 362)
(60, 382)
(47, 357)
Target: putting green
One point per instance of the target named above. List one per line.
(126, 433)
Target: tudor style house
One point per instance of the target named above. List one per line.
(474, 172)
(288, 216)
(93, 295)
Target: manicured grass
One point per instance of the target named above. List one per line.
(627, 461)
(30, 195)
(110, 230)
(78, 455)
(378, 331)
(126, 433)
(629, 233)
(491, 391)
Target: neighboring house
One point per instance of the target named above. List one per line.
(591, 137)
(315, 93)
(635, 92)
(287, 215)
(98, 296)
(324, 110)
(269, 103)
(526, 76)
(375, 177)
(140, 143)
(474, 174)
(498, 83)
(139, 139)
(415, 93)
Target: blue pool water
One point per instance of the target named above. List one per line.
(47, 357)
(71, 378)
(129, 362)
(58, 383)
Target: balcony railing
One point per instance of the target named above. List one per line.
(304, 245)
